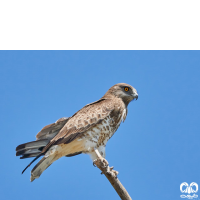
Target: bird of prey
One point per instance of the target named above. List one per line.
(88, 129)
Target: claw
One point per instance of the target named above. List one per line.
(105, 162)
(94, 164)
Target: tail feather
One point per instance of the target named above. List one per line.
(31, 163)
(31, 149)
(43, 164)
(27, 151)
(29, 155)
(33, 144)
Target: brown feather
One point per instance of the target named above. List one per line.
(91, 127)
(49, 131)
(67, 134)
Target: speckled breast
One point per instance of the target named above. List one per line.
(102, 132)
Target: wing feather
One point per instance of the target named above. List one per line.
(86, 118)
(49, 131)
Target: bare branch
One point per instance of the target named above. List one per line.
(111, 175)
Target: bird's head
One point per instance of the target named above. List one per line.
(124, 91)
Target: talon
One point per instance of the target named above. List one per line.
(94, 164)
(105, 162)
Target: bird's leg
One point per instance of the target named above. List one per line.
(102, 151)
(93, 156)
(99, 156)
(102, 164)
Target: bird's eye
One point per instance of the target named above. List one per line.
(126, 89)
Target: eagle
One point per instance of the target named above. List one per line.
(87, 130)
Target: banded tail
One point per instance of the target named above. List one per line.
(34, 149)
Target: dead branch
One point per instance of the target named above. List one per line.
(111, 175)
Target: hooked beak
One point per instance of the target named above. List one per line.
(135, 96)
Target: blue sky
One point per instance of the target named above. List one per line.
(155, 150)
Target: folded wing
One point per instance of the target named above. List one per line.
(86, 118)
